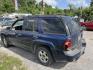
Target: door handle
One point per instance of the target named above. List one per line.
(18, 35)
(13, 33)
(35, 36)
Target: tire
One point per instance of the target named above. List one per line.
(5, 41)
(44, 56)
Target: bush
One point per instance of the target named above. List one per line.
(10, 63)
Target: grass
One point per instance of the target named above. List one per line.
(10, 63)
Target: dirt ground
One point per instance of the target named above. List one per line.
(85, 62)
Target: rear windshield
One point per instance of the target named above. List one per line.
(53, 25)
(72, 24)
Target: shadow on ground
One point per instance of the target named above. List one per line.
(31, 57)
(89, 30)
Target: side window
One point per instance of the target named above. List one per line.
(76, 26)
(53, 25)
(72, 24)
(30, 25)
(18, 25)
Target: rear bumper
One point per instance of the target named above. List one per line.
(72, 55)
(75, 54)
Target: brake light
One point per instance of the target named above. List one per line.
(68, 44)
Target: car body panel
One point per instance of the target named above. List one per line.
(28, 39)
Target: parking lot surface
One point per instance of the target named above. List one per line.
(85, 62)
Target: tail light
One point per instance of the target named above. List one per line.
(68, 44)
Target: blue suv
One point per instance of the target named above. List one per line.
(51, 38)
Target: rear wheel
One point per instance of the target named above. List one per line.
(44, 56)
(5, 41)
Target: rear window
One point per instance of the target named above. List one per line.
(53, 25)
(72, 24)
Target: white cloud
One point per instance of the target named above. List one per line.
(50, 2)
(78, 3)
(85, 4)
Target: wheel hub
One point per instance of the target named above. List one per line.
(43, 56)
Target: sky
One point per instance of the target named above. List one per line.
(63, 4)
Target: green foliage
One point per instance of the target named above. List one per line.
(6, 6)
(31, 6)
(10, 63)
(87, 13)
(91, 4)
(27, 6)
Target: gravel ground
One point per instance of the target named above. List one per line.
(85, 62)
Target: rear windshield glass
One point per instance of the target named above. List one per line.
(72, 24)
(53, 25)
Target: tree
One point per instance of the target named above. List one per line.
(71, 7)
(91, 4)
(6, 6)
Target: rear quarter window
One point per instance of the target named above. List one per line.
(53, 25)
(72, 24)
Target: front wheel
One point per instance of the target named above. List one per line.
(44, 56)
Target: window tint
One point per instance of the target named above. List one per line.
(72, 24)
(30, 25)
(53, 25)
(18, 25)
(76, 26)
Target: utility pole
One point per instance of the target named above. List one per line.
(81, 8)
(42, 12)
(81, 11)
(16, 4)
